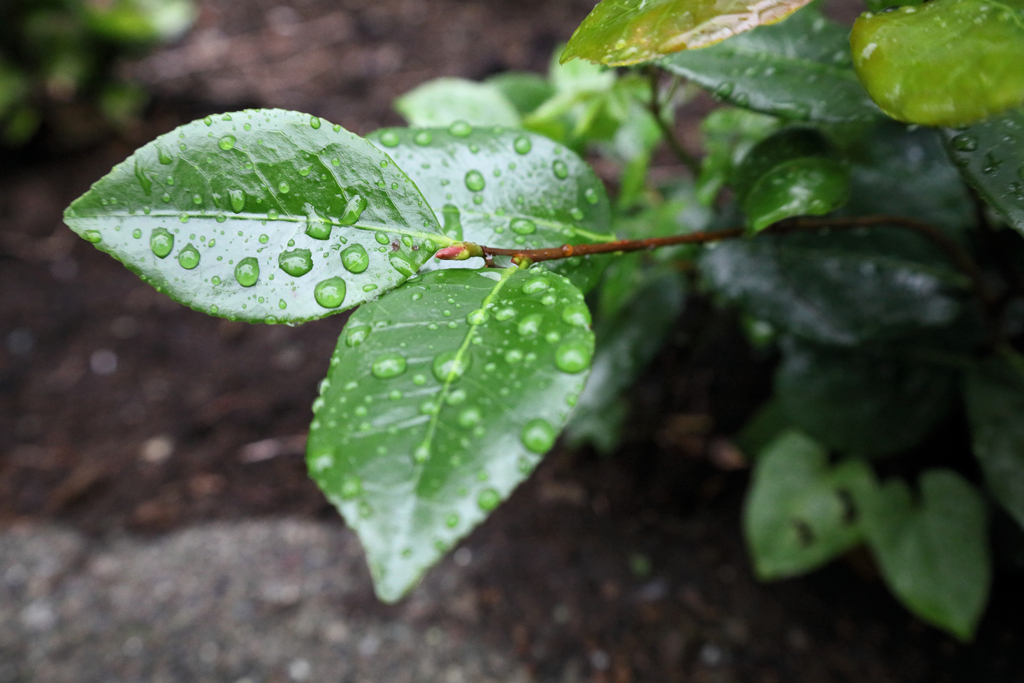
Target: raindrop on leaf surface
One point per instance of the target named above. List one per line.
(296, 262)
(449, 367)
(538, 436)
(488, 499)
(227, 142)
(330, 293)
(161, 242)
(389, 365)
(523, 145)
(560, 169)
(247, 272)
(475, 181)
(573, 356)
(188, 257)
(355, 259)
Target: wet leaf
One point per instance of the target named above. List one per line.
(904, 171)
(624, 32)
(800, 511)
(793, 172)
(798, 69)
(841, 288)
(263, 216)
(994, 393)
(139, 21)
(440, 399)
(729, 135)
(933, 551)
(863, 403)
(990, 155)
(505, 189)
(443, 101)
(942, 63)
(626, 344)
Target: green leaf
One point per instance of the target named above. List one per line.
(933, 552)
(811, 186)
(798, 69)
(791, 173)
(140, 21)
(505, 189)
(253, 215)
(840, 288)
(860, 402)
(904, 171)
(994, 393)
(441, 398)
(800, 511)
(525, 90)
(990, 155)
(942, 63)
(624, 32)
(626, 344)
(443, 101)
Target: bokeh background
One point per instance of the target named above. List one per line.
(156, 523)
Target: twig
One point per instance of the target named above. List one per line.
(670, 135)
(957, 254)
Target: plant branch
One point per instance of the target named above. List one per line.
(957, 254)
(656, 109)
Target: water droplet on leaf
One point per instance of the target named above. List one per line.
(330, 293)
(247, 272)
(188, 257)
(296, 262)
(161, 242)
(538, 436)
(389, 365)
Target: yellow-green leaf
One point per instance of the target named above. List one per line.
(622, 32)
(943, 63)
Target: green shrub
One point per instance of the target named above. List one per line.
(881, 257)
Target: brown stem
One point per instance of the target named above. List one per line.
(957, 254)
(666, 129)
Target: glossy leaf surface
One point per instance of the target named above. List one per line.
(623, 32)
(505, 189)
(800, 511)
(861, 403)
(440, 399)
(443, 101)
(994, 392)
(933, 552)
(943, 63)
(904, 171)
(811, 186)
(990, 155)
(263, 216)
(798, 69)
(626, 344)
(840, 288)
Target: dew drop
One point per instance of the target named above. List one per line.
(382, 238)
(560, 169)
(577, 315)
(488, 499)
(94, 237)
(353, 210)
(513, 356)
(576, 214)
(264, 239)
(530, 325)
(314, 122)
(247, 272)
(227, 142)
(965, 143)
(421, 454)
(452, 520)
(477, 317)
(460, 129)
(296, 262)
(136, 233)
(355, 259)
(538, 436)
(351, 487)
(535, 286)
(475, 181)
(523, 226)
(423, 138)
(523, 145)
(389, 138)
(330, 293)
(163, 156)
(237, 200)
(356, 335)
(573, 356)
(469, 417)
(505, 314)
(449, 367)
(188, 258)
(389, 365)
(591, 195)
(161, 242)
(283, 187)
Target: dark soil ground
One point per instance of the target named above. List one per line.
(121, 410)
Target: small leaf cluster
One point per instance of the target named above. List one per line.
(55, 53)
(882, 262)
